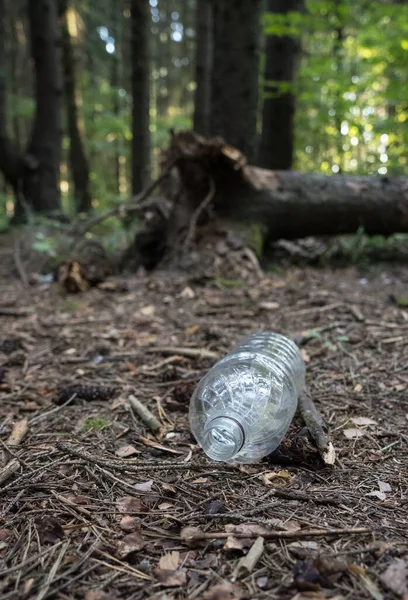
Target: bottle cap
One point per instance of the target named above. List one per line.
(223, 438)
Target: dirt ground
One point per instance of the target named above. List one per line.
(95, 506)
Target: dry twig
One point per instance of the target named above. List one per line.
(315, 423)
(144, 414)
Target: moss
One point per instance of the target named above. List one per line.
(95, 424)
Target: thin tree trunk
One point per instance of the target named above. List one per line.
(42, 158)
(140, 16)
(203, 66)
(234, 93)
(9, 157)
(277, 141)
(78, 160)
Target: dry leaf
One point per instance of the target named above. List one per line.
(240, 543)
(273, 477)
(358, 388)
(370, 586)
(128, 504)
(395, 577)
(187, 293)
(126, 451)
(363, 421)
(78, 499)
(329, 455)
(171, 578)
(384, 487)
(377, 494)
(144, 487)
(223, 591)
(99, 595)
(187, 534)
(352, 433)
(129, 524)
(269, 305)
(165, 505)
(305, 355)
(200, 480)
(148, 311)
(170, 561)
(192, 329)
(50, 530)
(133, 542)
(18, 433)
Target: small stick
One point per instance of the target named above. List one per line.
(275, 535)
(126, 206)
(197, 214)
(315, 423)
(131, 468)
(9, 470)
(189, 352)
(144, 414)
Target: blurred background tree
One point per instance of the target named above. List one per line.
(313, 85)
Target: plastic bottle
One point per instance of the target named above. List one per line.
(241, 410)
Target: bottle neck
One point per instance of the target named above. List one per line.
(223, 438)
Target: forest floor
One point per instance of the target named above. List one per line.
(94, 506)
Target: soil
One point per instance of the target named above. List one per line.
(95, 506)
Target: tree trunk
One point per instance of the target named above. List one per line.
(277, 141)
(42, 158)
(9, 158)
(203, 66)
(288, 204)
(140, 16)
(234, 93)
(78, 161)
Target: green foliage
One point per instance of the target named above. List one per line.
(95, 424)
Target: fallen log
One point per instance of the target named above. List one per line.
(289, 204)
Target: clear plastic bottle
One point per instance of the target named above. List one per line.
(241, 410)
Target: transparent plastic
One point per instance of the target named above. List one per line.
(241, 410)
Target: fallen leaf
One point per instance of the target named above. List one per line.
(129, 524)
(171, 578)
(49, 530)
(271, 477)
(384, 487)
(145, 487)
(223, 591)
(234, 543)
(305, 355)
(329, 455)
(377, 494)
(187, 534)
(165, 505)
(200, 480)
(170, 561)
(358, 388)
(370, 586)
(126, 451)
(192, 329)
(363, 421)
(78, 499)
(133, 542)
(395, 577)
(187, 293)
(148, 311)
(128, 504)
(19, 431)
(352, 433)
(269, 305)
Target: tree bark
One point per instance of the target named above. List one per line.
(140, 17)
(204, 59)
(78, 160)
(42, 158)
(234, 93)
(277, 140)
(288, 204)
(9, 157)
